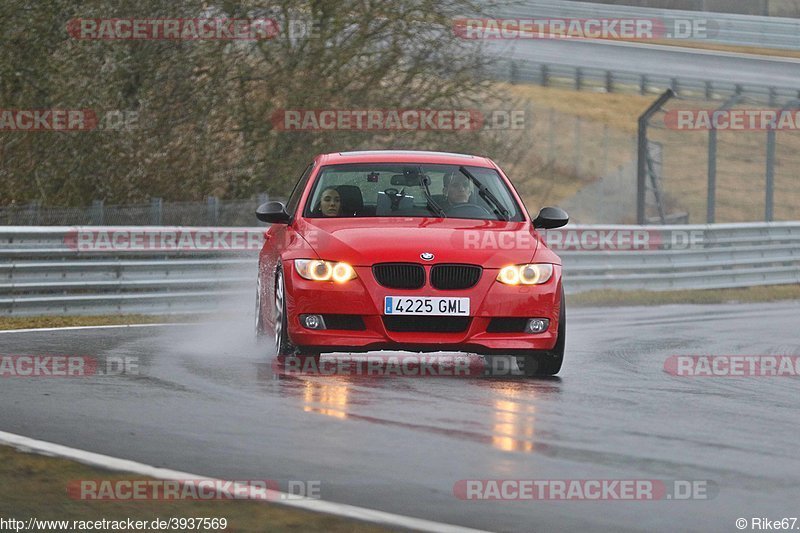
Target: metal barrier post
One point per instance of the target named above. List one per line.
(212, 212)
(711, 197)
(98, 213)
(34, 211)
(156, 214)
(578, 146)
(769, 200)
(641, 170)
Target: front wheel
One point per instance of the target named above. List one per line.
(548, 363)
(283, 346)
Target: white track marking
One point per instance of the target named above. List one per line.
(113, 463)
(26, 444)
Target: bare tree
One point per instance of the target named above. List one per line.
(203, 108)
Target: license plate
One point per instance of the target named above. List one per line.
(433, 306)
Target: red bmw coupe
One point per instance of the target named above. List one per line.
(410, 251)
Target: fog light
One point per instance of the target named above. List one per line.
(537, 325)
(312, 321)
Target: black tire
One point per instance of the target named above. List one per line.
(548, 363)
(283, 345)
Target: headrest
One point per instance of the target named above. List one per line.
(352, 200)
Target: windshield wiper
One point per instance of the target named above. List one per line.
(487, 195)
(423, 180)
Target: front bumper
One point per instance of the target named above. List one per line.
(365, 297)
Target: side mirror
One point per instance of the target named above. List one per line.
(551, 218)
(272, 212)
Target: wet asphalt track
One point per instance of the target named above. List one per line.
(654, 60)
(205, 402)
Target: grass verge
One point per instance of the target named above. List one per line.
(755, 50)
(36, 486)
(620, 111)
(571, 138)
(611, 298)
(72, 321)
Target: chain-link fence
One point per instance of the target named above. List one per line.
(584, 164)
(707, 161)
(734, 161)
(580, 147)
(213, 212)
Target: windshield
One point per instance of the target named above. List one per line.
(411, 190)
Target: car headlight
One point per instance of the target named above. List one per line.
(319, 270)
(530, 274)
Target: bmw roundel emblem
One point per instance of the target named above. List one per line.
(427, 256)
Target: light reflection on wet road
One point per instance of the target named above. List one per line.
(208, 401)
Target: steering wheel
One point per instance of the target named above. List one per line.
(395, 197)
(466, 209)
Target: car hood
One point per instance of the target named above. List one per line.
(366, 241)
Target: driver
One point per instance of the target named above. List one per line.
(330, 203)
(457, 190)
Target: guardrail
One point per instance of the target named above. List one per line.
(622, 81)
(50, 270)
(730, 29)
(147, 270)
(685, 257)
(727, 29)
